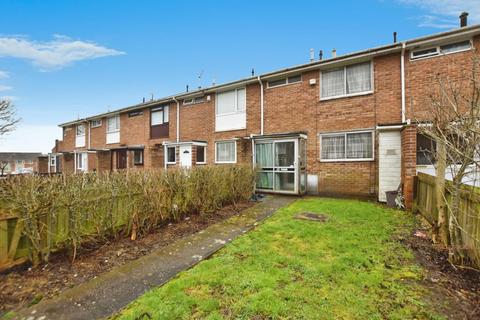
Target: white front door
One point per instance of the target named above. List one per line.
(389, 163)
(186, 156)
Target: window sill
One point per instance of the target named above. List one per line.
(225, 162)
(227, 130)
(347, 160)
(347, 96)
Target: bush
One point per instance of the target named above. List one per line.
(66, 211)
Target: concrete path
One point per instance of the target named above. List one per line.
(113, 290)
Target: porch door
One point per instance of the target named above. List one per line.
(389, 163)
(277, 166)
(121, 159)
(186, 156)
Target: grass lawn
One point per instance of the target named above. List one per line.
(350, 267)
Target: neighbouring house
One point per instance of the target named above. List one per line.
(20, 163)
(342, 125)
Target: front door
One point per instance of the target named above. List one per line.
(389, 163)
(186, 156)
(121, 159)
(278, 165)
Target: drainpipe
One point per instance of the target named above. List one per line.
(261, 104)
(89, 134)
(178, 118)
(402, 75)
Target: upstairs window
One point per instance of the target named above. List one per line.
(80, 130)
(350, 80)
(135, 113)
(80, 136)
(196, 100)
(443, 49)
(284, 81)
(96, 123)
(348, 146)
(113, 123)
(159, 127)
(230, 110)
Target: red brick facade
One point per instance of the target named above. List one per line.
(295, 107)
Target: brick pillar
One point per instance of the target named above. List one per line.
(409, 162)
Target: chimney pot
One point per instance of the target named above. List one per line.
(395, 37)
(334, 53)
(320, 55)
(312, 55)
(463, 19)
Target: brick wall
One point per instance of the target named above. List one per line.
(409, 162)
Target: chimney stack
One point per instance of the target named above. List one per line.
(395, 37)
(320, 55)
(334, 53)
(312, 55)
(463, 19)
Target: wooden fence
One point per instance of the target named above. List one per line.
(54, 228)
(468, 220)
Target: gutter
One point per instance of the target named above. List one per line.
(261, 105)
(402, 76)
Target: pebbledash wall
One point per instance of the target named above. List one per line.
(294, 107)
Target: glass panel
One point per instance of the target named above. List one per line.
(80, 130)
(333, 147)
(265, 180)
(241, 100)
(359, 145)
(303, 153)
(284, 154)
(113, 124)
(165, 114)
(303, 181)
(333, 83)
(264, 155)
(424, 53)
(226, 102)
(358, 78)
(285, 181)
(171, 154)
(294, 79)
(226, 151)
(459, 46)
(156, 117)
(275, 83)
(200, 154)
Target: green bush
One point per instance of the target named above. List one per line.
(68, 210)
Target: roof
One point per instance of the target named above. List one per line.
(381, 50)
(12, 156)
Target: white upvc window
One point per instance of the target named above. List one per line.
(196, 100)
(171, 155)
(441, 49)
(351, 80)
(81, 160)
(284, 81)
(226, 151)
(201, 155)
(80, 136)
(113, 129)
(96, 123)
(230, 110)
(347, 146)
(159, 116)
(53, 160)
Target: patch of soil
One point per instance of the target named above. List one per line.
(25, 286)
(454, 291)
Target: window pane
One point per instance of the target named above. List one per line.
(226, 151)
(424, 53)
(359, 78)
(226, 102)
(200, 154)
(459, 46)
(425, 150)
(156, 117)
(333, 83)
(80, 130)
(265, 180)
(138, 156)
(275, 83)
(284, 154)
(241, 100)
(113, 124)
(171, 154)
(359, 145)
(264, 155)
(165, 114)
(333, 147)
(294, 79)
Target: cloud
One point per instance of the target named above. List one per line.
(4, 88)
(4, 74)
(21, 140)
(444, 14)
(54, 54)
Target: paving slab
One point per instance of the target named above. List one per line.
(110, 292)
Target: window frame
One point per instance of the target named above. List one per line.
(439, 51)
(96, 123)
(135, 113)
(174, 152)
(204, 155)
(345, 133)
(237, 111)
(53, 161)
(287, 82)
(162, 109)
(141, 157)
(195, 100)
(347, 95)
(119, 126)
(84, 166)
(76, 130)
(235, 151)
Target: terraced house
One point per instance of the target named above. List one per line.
(339, 125)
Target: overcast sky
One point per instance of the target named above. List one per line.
(60, 60)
